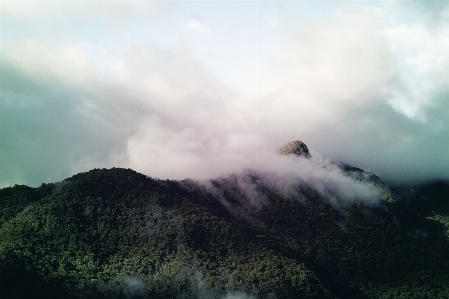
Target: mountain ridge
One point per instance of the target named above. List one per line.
(115, 233)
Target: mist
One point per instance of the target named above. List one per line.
(289, 176)
(140, 286)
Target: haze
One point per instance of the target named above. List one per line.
(197, 89)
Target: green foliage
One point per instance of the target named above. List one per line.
(119, 234)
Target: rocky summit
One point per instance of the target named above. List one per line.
(296, 147)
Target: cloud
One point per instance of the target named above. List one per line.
(361, 93)
(78, 22)
(331, 67)
(55, 11)
(197, 26)
(54, 98)
(289, 176)
(238, 295)
(134, 286)
(51, 120)
(356, 89)
(203, 291)
(421, 73)
(431, 13)
(126, 286)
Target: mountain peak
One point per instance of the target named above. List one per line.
(296, 147)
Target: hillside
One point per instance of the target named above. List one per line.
(115, 233)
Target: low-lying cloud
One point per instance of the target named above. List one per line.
(289, 177)
(138, 286)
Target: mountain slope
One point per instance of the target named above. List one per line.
(119, 234)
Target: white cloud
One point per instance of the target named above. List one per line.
(332, 67)
(197, 26)
(59, 10)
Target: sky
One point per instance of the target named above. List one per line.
(198, 89)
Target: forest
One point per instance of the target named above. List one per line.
(116, 233)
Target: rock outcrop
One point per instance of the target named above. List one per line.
(296, 147)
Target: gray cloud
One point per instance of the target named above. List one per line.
(432, 13)
(48, 129)
(370, 95)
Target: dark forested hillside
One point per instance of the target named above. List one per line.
(119, 234)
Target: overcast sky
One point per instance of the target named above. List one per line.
(196, 89)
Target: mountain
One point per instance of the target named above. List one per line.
(115, 233)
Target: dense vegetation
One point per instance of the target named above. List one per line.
(119, 234)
